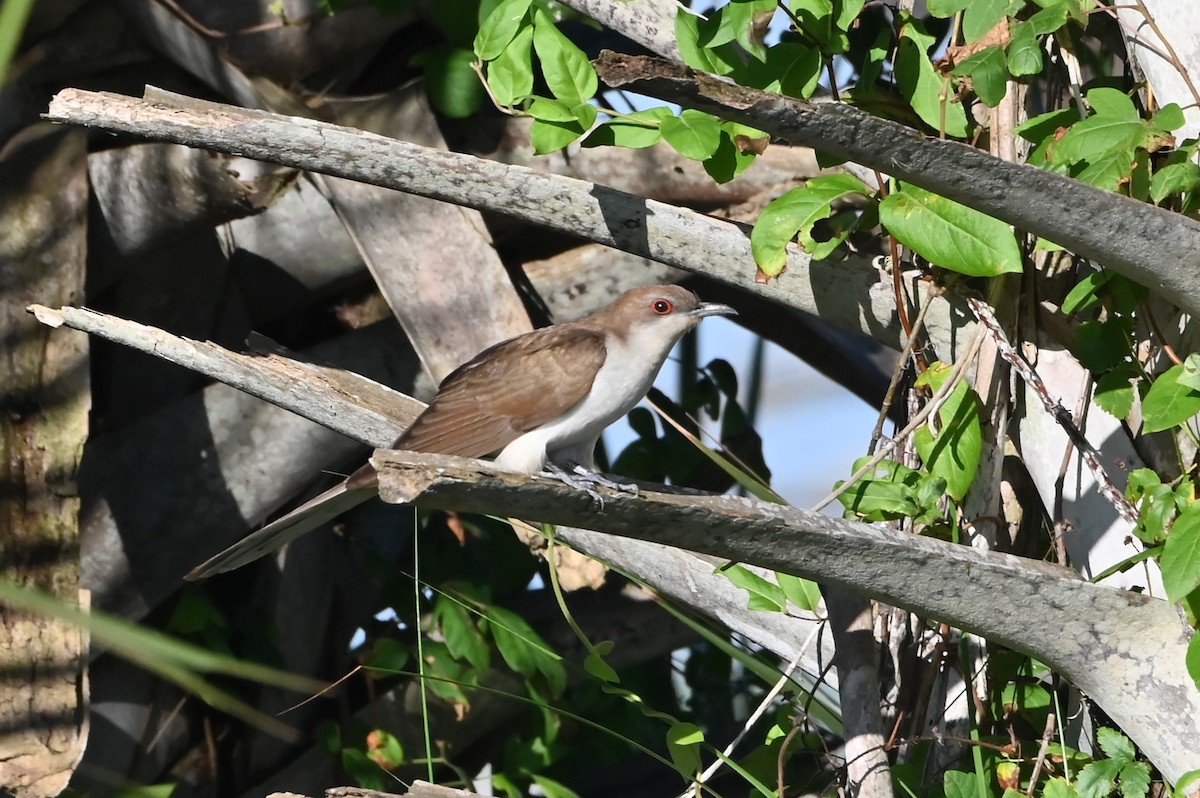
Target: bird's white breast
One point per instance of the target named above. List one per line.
(630, 366)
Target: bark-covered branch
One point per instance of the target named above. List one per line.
(847, 294)
(1105, 641)
(1125, 650)
(1153, 246)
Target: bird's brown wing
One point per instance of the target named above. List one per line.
(482, 407)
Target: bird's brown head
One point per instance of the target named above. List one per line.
(659, 312)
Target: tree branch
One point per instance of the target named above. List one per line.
(843, 294)
(1155, 247)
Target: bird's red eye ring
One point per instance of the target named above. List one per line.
(662, 306)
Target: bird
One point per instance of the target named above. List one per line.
(541, 399)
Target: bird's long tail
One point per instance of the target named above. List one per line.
(351, 492)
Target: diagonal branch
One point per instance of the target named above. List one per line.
(842, 294)
(1153, 246)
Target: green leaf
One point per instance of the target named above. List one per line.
(625, 132)
(1169, 117)
(595, 664)
(688, 33)
(763, 594)
(510, 76)
(1044, 126)
(729, 160)
(1108, 170)
(1190, 376)
(1058, 787)
(387, 654)
(693, 134)
(928, 92)
(566, 68)
(1113, 126)
(988, 71)
(743, 21)
(1102, 345)
(1114, 392)
(462, 637)
(1097, 779)
(946, 8)
(683, 743)
(959, 784)
(500, 27)
(451, 83)
(795, 213)
(1115, 745)
(1190, 780)
(1086, 293)
(953, 454)
(516, 640)
(1176, 178)
(950, 235)
(1168, 403)
(1193, 668)
(1134, 780)
(789, 68)
(804, 593)
(551, 136)
(551, 788)
(981, 16)
(1181, 556)
(1024, 51)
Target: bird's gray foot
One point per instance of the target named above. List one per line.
(582, 479)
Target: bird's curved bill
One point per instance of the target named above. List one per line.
(712, 309)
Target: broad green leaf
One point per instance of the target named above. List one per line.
(929, 93)
(1102, 345)
(795, 213)
(500, 27)
(387, 654)
(1168, 403)
(1169, 117)
(950, 235)
(1113, 126)
(744, 21)
(946, 8)
(959, 784)
(566, 68)
(764, 595)
(981, 16)
(551, 136)
(1024, 51)
(462, 637)
(599, 668)
(689, 33)
(683, 743)
(1181, 556)
(1114, 392)
(847, 12)
(1176, 178)
(879, 501)
(450, 82)
(1058, 787)
(1048, 20)
(626, 132)
(1108, 170)
(1190, 376)
(804, 593)
(789, 68)
(953, 453)
(1134, 780)
(988, 71)
(1193, 667)
(693, 134)
(1086, 294)
(549, 110)
(730, 160)
(1097, 779)
(551, 788)
(510, 76)
(1115, 745)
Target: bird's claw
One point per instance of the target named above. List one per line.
(587, 481)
